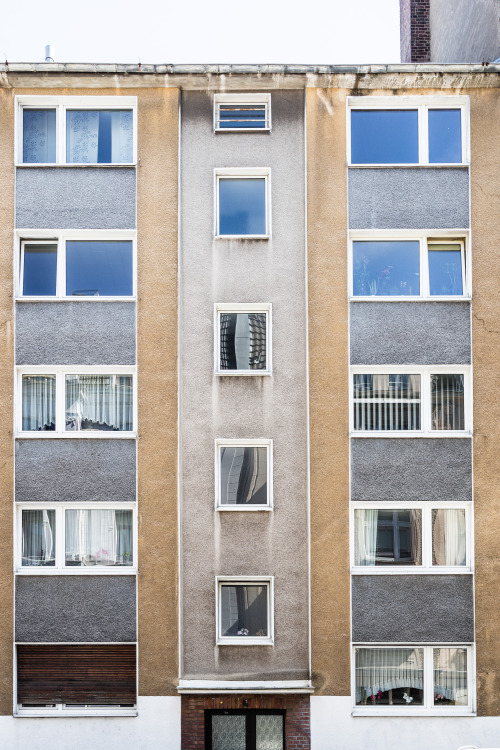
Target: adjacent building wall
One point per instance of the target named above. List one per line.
(465, 31)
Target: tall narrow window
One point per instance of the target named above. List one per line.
(38, 538)
(38, 403)
(447, 402)
(445, 136)
(450, 677)
(39, 269)
(39, 136)
(449, 537)
(446, 268)
(99, 402)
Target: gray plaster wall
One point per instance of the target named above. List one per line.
(75, 333)
(412, 608)
(243, 543)
(76, 198)
(408, 198)
(406, 469)
(465, 31)
(77, 470)
(420, 333)
(75, 608)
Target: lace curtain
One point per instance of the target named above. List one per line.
(448, 536)
(450, 675)
(99, 136)
(39, 136)
(99, 537)
(98, 402)
(39, 402)
(387, 669)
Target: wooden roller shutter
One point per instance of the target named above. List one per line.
(96, 674)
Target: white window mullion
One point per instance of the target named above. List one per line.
(428, 677)
(423, 134)
(61, 134)
(60, 537)
(424, 268)
(60, 402)
(425, 394)
(61, 267)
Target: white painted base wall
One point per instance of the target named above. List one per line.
(333, 728)
(157, 727)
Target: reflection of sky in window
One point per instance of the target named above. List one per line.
(242, 206)
(384, 136)
(445, 269)
(40, 268)
(99, 268)
(386, 268)
(445, 136)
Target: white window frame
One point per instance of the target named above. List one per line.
(257, 98)
(424, 238)
(59, 238)
(427, 568)
(60, 373)
(422, 104)
(425, 371)
(243, 173)
(61, 104)
(264, 308)
(428, 709)
(60, 568)
(244, 443)
(245, 581)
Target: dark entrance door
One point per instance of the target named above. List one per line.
(245, 730)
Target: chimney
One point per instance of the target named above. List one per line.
(415, 30)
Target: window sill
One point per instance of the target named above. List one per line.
(245, 641)
(242, 236)
(56, 714)
(408, 166)
(243, 373)
(409, 434)
(244, 508)
(74, 166)
(358, 712)
(99, 434)
(409, 570)
(77, 571)
(76, 299)
(455, 298)
(242, 130)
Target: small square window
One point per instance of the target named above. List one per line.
(244, 615)
(242, 112)
(244, 474)
(242, 203)
(243, 339)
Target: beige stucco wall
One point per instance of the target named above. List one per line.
(328, 372)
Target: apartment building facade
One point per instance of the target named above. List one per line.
(249, 444)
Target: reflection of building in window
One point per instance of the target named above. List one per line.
(243, 475)
(244, 610)
(243, 341)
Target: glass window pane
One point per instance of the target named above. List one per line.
(384, 136)
(445, 269)
(243, 341)
(243, 475)
(98, 537)
(39, 538)
(268, 732)
(242, 206)
(386, 268)
(99, 268)
(386, 402)
(387, 537)
(99, 402)
(99, 136)
(39, 136)
(389, 677)
(445, 136)
(39, 403)
(229, 732)
(449, 536)
(39, 270)
(447, 402)
(242, 116)
(450, 677)
(244, 611)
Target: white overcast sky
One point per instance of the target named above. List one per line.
(202, 31)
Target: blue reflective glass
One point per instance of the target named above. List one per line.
(39, 270)
(386, 269)
(384, 136)
(242, 116)
(99, 268)
(445, 136)
(242, 206)
(39, 136)
(445, 269)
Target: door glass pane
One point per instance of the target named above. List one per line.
(99, 269)
(244, 611)
(39, 537)
(445, 269)
(388, 537)
(269, 732)
(389, 677)
(39, 136)
(228, 733)
(242, 206)
(386, 269)
(450, 677)
(448, 536)
(39, 403)
(384, 136)
(445, 136)
(243, 475)
(98, 537)
(40, 269)
(243, 341)
(99, 136)
(447, 402)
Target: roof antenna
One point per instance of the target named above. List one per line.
(49, 53)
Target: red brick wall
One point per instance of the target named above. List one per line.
(415, 30)
(297, 717)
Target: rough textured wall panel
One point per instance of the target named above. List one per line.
(405, 333)
(413, 608)
(409, 198)
(411, 469)
(75, 333)
(75, 470)
(75, 608)
(75, 198)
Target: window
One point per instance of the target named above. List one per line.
(247, 729)
(428, 400)
(69, 401)
(72, 538)
(409, 266)
(77, 130)
(408, 130)
(411, 538)
(242, 112)
(243, 472)
(78, 265)
(242, 198)
(243, 339)
(244, 611)
(75, 679)
(412, 679)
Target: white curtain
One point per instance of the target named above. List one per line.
(98, 402)
(386, 669)
(39, 136)
(99, 136)
(450, 675)
(448, 536)
(121, 137)
(99, 537)
(365, 534)
(38, 537)
(82, 136)
(39, 402)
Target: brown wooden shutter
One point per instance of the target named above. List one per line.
(94, 674)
